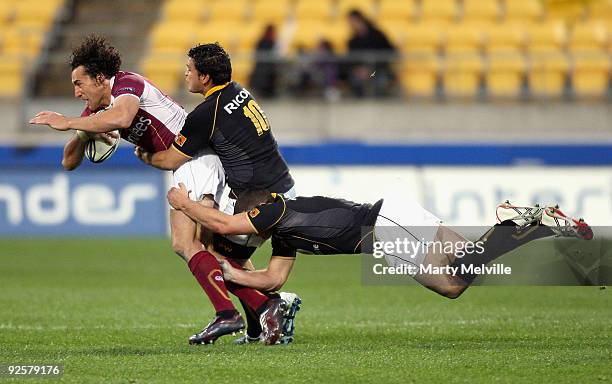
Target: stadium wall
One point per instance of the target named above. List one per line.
(461, 184)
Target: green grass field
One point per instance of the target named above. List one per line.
(121, 311)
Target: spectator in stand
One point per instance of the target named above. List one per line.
(370, 54)
(264, 76)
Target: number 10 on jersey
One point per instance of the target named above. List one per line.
(254, 112)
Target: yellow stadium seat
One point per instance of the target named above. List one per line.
(523, 10)
(251, 33)
(345, 6)
(392, 10)
(588, 36)
(422, 38)
(591, 75)
(505, 37)
(546, 37)
(6, 12)
(568, 10)
(547, 74)
(241, 70)
(308, 34)
(11, 76)
(462, 74)
(338, 34)
(266, 11)
(313, 10)
(419, 74)
(225, 33)
(166, 71)
(183, 10)
(395, 30)
(464, 37)
(23, 42)
(438, 10)
(600, 10)
(480, 10)
(173, 37)
(42, 12)
(504, 77)
(228, 10)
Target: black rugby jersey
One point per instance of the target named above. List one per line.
(318, 225)
(231, 122)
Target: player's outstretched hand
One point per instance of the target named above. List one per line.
(178, 197)
(55, 120)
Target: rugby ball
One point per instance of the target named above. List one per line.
(97, 150)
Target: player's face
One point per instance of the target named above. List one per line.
(87, 88)
(193, 78)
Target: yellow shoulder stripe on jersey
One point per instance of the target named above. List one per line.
(179, 151)
(282, 214)
(250, 222)
(215, 89)
(212, 131)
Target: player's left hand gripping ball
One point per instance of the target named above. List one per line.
(55, 120)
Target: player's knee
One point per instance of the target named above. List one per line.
(453, 292)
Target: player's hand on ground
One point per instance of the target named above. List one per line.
(143, 155)
(178, 197)
(54, 120)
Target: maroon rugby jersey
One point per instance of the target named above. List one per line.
(159, 118)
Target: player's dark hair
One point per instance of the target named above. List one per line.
(97, 56)
(212, 60)
(249, 199)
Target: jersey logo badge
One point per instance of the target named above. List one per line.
(127, 89)
(253, 213)
(180, 140)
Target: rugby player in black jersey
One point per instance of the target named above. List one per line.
(321, 225)
(230, 122)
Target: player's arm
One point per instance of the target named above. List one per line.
(193, 137)
(120, 116)
(168, 160)
(210, 218)
(270, 279)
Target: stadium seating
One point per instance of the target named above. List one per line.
(546, 37)
(183, 10)
(402, 11)
(11, 76)
(270, 12)
(591, 74)
(364, 6)
(505, 37)
(462, 74)
(313, 10)
(23, 29)
(505, 73)
(444, 11)
(480, 10)
(548, 74)
(523, 10)
(588, 36)
(418, 75)
(227, 10)
(458, 43)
